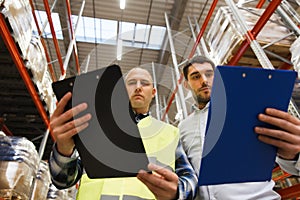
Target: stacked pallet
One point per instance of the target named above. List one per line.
(295, 49)
(225, 36)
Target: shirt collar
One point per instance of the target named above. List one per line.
(195, 107)
(140, 116)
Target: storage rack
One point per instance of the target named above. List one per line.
(249, 40)
(16, 62)
(35, 88)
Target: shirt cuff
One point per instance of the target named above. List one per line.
(290, 166)
(61, 160)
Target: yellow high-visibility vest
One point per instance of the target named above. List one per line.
(160, 141)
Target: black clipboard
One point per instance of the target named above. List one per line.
(232, 152)
(111, 145)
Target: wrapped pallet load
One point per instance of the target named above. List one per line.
(36, 64)
(18, 166)
(42, 182)
(19, 20)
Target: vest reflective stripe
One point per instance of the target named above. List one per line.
(160, 141)
(125, 197)
(109, 197)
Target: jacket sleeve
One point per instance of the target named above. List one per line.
(188, 180)
(65, 171)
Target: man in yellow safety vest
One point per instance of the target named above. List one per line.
(176, 182)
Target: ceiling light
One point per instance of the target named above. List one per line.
(122, 4)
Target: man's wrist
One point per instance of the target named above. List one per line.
(74, 153)
(291, 159)
(69, 154)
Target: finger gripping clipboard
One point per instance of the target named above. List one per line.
(232, 152)
(111, 145)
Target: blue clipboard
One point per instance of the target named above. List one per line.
(232, 152)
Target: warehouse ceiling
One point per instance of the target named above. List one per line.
(17, 108)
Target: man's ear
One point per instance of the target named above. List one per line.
(186, 84)
(153, 92)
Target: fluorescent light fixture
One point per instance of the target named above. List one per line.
(119, 49)
(122, 4)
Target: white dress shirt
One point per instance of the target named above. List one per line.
(192, 133)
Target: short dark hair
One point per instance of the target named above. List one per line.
(196, 59)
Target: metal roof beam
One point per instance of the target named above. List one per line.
(175, 19)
